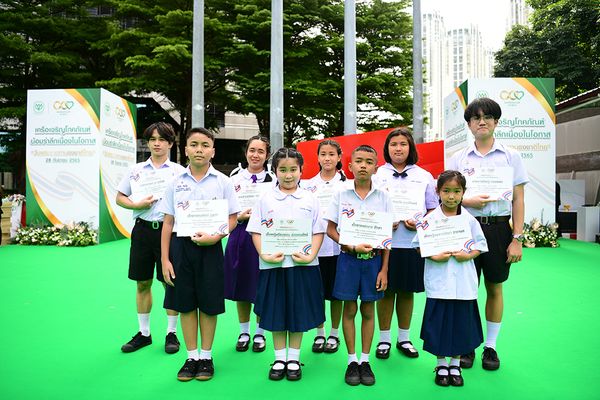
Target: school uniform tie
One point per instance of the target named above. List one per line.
(254, 178)
(398, 174)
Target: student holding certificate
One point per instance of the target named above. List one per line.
(361, 268)
(287, 230)
(412, 190)
(200, 207)
(241, 259)
(451, 323)
(324, 185)
(493, 214)
(139, 191)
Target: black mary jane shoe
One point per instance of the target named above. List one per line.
(259, 347)
(332, 347)
(294, 374)
(318, 347)
(277, 374)
(442, 380)
(383, 354)
(243, 345)
(456, 380)
(409, 352)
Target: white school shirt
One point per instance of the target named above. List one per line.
(213, 186)
(347, 198)
(498, 156)
(453, 280)
(329, 247)
(276, 204)
(138, 170)
(384, 178)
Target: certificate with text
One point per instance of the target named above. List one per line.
(208, 216)
(324, 196)
(286, 236)
(496, 182)
(366, 227)
(408, 200)
(248, 194)
(438, 236)
(150, 183)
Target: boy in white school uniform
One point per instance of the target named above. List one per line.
(144, 254)
(504, 242)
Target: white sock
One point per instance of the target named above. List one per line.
(454, 362)
(279, 356)
(384, 336)
(352, 358)
(205, 354)
(403, 335)
(293, 355)
(245, 327)
(442, 362)
(364, 357)
(144, 323)
(320, 332)
(334, 334)
(193, 354)
(171, 324)
(492, 329)
(259, 331)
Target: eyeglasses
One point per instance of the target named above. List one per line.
(486, 118)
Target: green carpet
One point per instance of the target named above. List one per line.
(66, 312)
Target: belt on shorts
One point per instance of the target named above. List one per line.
(366, 256)
(150, 224)
(493, 219)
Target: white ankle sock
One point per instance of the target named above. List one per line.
(280, 356)
(334, 332)
(403, 335)
(144, 323)
(171, 324)
(193, 354)
(384, 336)
(364, 357)
(492, 330)
(352, 358)
(245, 327)
(454, 362)
(205, 354)
(259, 331)
(293, 355)
(320, 332)
(442, 362)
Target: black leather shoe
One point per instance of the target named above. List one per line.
(277, 374)
(352, 376)
(409, 352)
(188, 371)
(171, 343)
(489, 359)
(294, 374)
(318, 347)
(456, 380)
(206, 370)
(243, 342)
(383, 353)
(259, 347)
(442, 380)
(332, 347)
(466, 360)
(136, 343)
(367, 377)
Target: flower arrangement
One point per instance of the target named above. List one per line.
(538, 234)
(75, 234)
(16, 199)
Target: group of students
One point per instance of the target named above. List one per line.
(288, 291)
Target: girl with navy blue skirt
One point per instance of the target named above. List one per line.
(289, 299)
(451, 324)
(241, 260)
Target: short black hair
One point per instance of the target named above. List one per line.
(285, 152)
(202, 131)
(413, 156)
(365, 147)
(483, 105)
(164, 130)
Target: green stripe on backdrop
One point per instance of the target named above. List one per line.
(546, 88)
(107, 230)
(67, 311)
(93, 97)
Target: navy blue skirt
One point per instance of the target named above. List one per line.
(451, 327)
(328, 266)
(405, 271)
(290, 299)
(240, 266)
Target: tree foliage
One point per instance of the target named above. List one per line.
(563, 42)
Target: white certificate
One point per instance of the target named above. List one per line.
(408, 200)
(366, 227)
(324, 195)
(248, 194)
(437, 236)
(286, 236)
(496, 182)
(150, 183)
(208, 216)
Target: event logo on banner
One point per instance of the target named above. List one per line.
(65, 150)
(528, 126)
(456, 131)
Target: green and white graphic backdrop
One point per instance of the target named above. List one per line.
(80, 143)
(527, 125)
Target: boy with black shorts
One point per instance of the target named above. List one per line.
(193, 265)
(361, 269)
(504, 242)
(144, 253)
